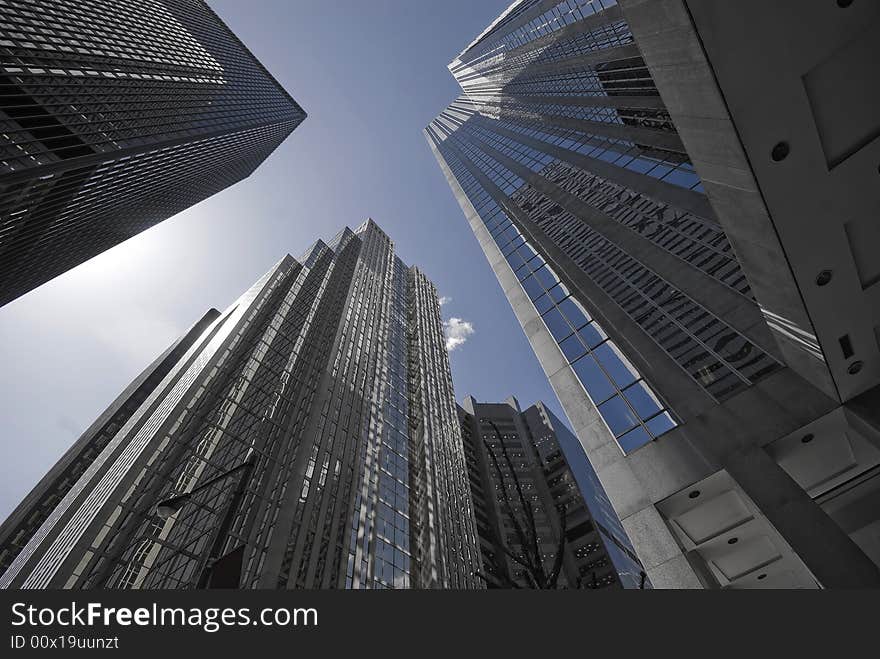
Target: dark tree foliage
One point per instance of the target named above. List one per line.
(534, 572)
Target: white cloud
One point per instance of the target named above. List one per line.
(445, 300)
(457, 332)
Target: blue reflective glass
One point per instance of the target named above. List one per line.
(491, 221)
(572, 348)
(643, 400)
(559, 292)
(660, 171)
(660, 424)
(515, 261)
(615, 364)
(499, 228)
(618, 415)
(633, 439)
(640, 165)
(592, 335)
(543, 303)
(682, 178)
(522, 271)
(533, 288)
(557, 324)
(594, 380)
(526, 252)
(507, 249)
(546, 276)
(508, 234)
(575, 313)
(535, 262)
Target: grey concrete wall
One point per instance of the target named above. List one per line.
(672, 51)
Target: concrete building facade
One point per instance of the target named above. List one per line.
(116, 115)
(306, 437)
(609, 180)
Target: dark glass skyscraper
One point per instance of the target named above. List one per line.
(307, 437)
(115, 116)
(690, 377)
(553, 474)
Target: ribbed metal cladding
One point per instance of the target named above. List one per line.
(329, 381)
(561, 143)
(115, 116)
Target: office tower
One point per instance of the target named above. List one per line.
(306, 438)
(26, 519)
(115, 116)
(508, 450)
(593, 155)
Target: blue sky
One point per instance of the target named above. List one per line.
(370, 74)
